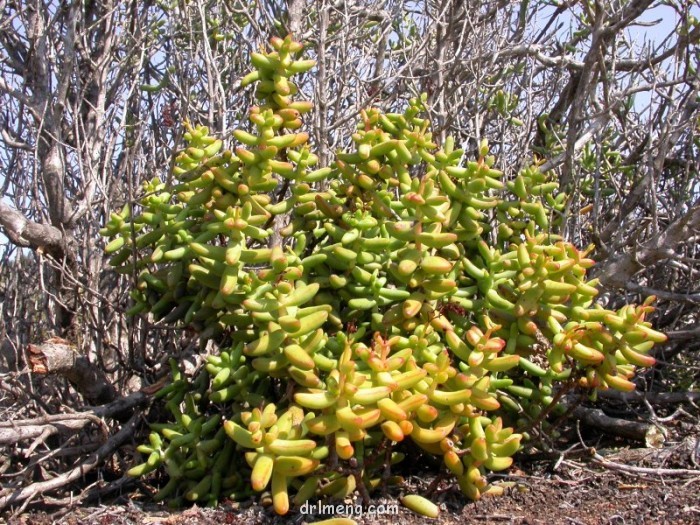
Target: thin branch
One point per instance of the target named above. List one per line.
(95, 459)
(672, 472)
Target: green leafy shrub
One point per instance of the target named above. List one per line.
(415, 296)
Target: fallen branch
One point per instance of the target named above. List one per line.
(15, 431)
(36, 489)
(655, 398)
(643, 470)
(58, 356)
(594, 417)
(94, 492)
(682, 335)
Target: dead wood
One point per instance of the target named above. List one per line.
(10, 497)
(58, 356)
(643, 470)
(14, 432)
(655, 398)
(618, 270)
(29, 234)
(68, 424)
(651, 435)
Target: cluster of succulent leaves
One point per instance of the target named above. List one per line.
(415, 298)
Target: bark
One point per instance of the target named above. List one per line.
(692, 332)
(655, 398)
(29, 234)
(295, 12)
(596, 418)
(57, 356)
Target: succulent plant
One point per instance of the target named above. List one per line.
(415, 296)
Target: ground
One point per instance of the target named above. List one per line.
(571, 474)
(572, 491)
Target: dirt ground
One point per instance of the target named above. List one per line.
(572, 491)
